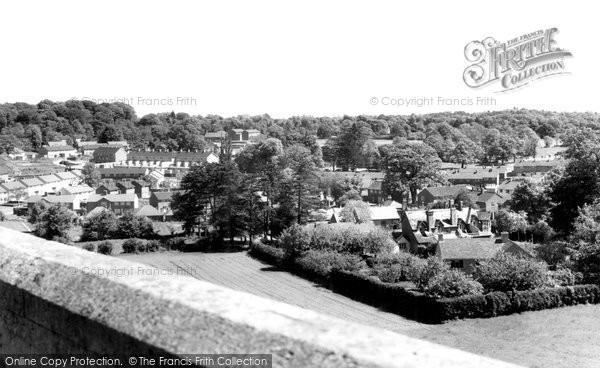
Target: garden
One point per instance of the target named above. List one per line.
(362, 262)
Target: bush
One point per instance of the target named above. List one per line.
(267, 253)
(322, 262)
(175, 243)
(132, 226)
(88, 246)
(105, 247)
(395, 267)
(133, 246)
(507, 272)
(294, 240)
(62, 239)
(99, 227)
(452, 283)
(344, 238)
(422, 272)
(153, 245)
(563, 277)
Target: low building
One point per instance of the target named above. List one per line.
(142, 188)
(119, 173)
(536, 167)
(15, 191)
(52, 183)
(384, 216)
(107, 188)
(463, 254)
(120, 204)
(126, 187)
(68, 177)
(71, 202)
(80, 191)
(440, 194)
(160, 200)
(34, 186)
(3, 195)
(154, 214)
(115, 154)
(490, 201)
(375, 193)
(62, 151)
(216, 137)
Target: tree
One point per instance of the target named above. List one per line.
(91, 175)
(532, 199)
(35, 137)
(356, 211)
(300, 180)
(586, 227)
(408, 168)
(99, 227)
(212, 196)
(54, 222)
(465, 152)
(510, 221)
(351, 141)
(110, 133)
(132, 226)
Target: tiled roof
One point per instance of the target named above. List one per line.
(446, 191)
(549, 163)
(32, 182)
(49, 178)
(384, 213)
(123, 170)
(219, 134)
(66, 175)
(509, 184)
(148, 210)
(58, 148)
(469, 248)
(487, 196)
(109, 186)
(77, 189)
(107, 150)
(163, 196)
(12, 185)
(125, 184)
(130, 197)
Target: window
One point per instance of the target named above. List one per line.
(457, 264)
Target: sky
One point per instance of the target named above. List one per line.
(285, 58)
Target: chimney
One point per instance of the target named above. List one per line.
(460, 205)
(430, 223)
(453, 216)
(404, 204)
(504, 236)
(440, 237)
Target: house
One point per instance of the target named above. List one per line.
(490, 201)
(154, 214)
(19, 155)
(463, 254)
(61, 151)
(34, 186)
(107, 188)
(374, 192)
(164, 159)
(5, 173)
(52, 183)
(87, 148)
(243, 135)
(57, 143)
(67, 177)
(160, 200)
(507, 187)
(69, 201)
(114, 154)
(536, 167)
(123, 172)
(440, 194)
(384, 216)
(3, 195)
(215, 137)
(15, 191)
(120, 204)
(126, 187)
(82, 192)
(481, 177)
(142, 188)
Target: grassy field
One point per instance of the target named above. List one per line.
(565, 337)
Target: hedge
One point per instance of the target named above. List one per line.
(415, 305)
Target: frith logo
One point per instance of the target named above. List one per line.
(514, 63)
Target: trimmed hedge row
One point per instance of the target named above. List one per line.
(412, 304)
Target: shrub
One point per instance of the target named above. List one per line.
(267, 253)
(152, 245)
(452, 283)
(507, 272)
(294, 240)
(88, 246)
(563, 276)
(132, 226)
(62, 239)
(422, 272)
(175, 243)
(105, 247)
(100, 226)
(394, 267)
(322, 262)
(132, 246)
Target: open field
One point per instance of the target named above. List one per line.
(566, 337)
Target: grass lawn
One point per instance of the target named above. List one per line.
(563, 337)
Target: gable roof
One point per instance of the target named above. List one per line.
(468, 248)
(488, 196)
(445, 191)
(58, 148)
(148, 210)
(164, 196)
(77, 189)
(109, 186)
(107, 150)
(32, 182)
(12, 185)
(129, 197)
(66, 175)
(509, 184)
(218, 134)
(49, 178)
(384, 213)
(123, 170)
(125, 184)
